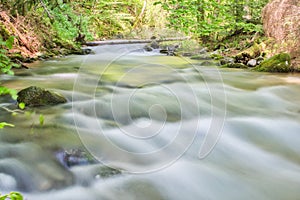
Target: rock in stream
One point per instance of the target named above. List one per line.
(34, 96)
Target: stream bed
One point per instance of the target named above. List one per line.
(152, 127)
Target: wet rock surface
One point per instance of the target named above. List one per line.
(34, 96)
(169, 50)
(84, 166)
(74, 157)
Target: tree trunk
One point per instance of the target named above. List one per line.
(112, 42)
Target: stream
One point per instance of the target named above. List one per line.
(152, 127)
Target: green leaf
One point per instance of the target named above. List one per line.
(15, 65)
(3, 124)
(11, 92)
(42, 119)
(15, 196)
(22, 105)
(3, 51)
(9, 42)
(10, 72)
(3, 197)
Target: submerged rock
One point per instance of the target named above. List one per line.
(87, 51)
(84, 166)
(201, 57)
(278, 63)
(35, 96)
(207, 63)
(74, 157)
(106, 172)
(86, 175)
(187, 54)
(163, 51)
(226, 60)
(171, 50)
(147, 48)
(234, 65)
(153, 45)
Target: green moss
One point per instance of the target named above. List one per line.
(251, 52)
(278, 63)
(4, 32)
(255, 50)
(216, 56)
(234, 65)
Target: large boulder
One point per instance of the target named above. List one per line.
(278, 63)
(35, 96)
(281, 19)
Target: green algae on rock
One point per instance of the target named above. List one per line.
(278, 63)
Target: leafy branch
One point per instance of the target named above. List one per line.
(12, 196)
(6, 68)
(5, 63)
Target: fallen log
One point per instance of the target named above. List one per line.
(113, 42)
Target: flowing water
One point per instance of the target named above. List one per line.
(175, 128)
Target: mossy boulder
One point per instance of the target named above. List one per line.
(35, 96)
(278, 63)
